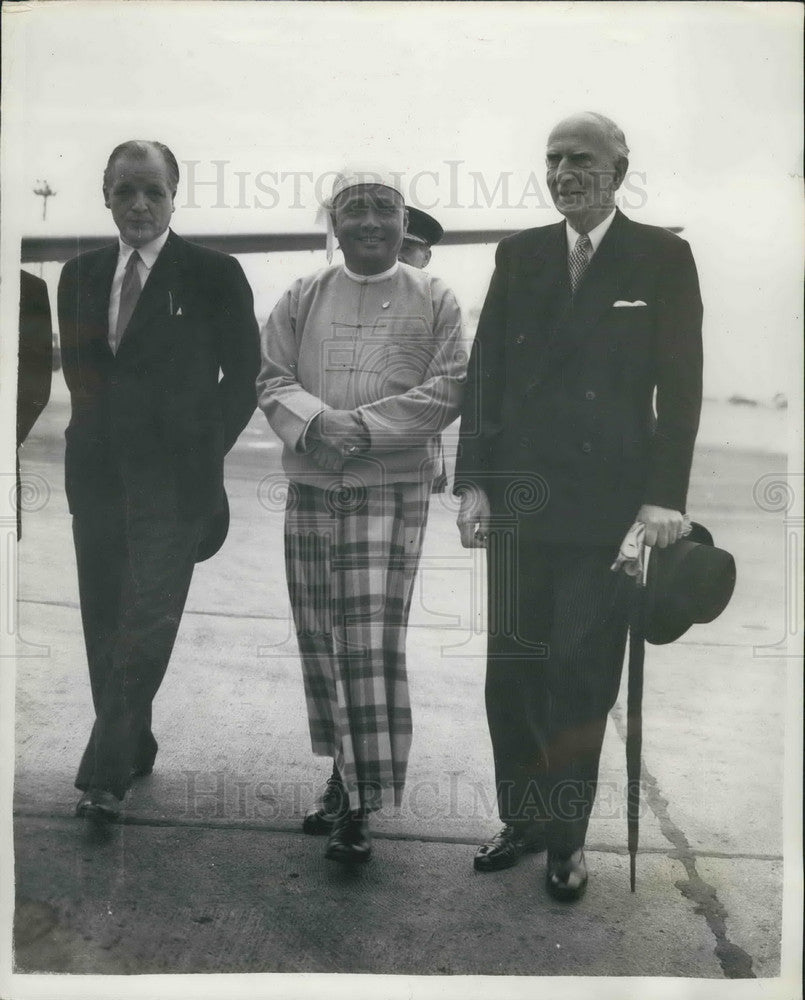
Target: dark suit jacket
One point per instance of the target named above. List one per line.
(158, 404)
(35, 353)
(559, 395)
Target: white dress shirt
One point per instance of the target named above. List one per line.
(596, 235)
(148, 255)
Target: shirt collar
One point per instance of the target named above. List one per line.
(596, 235)
(148, 252)
(368, 279)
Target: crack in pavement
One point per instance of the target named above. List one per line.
(734, 961)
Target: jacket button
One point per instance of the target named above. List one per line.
(589, 394)
(586, 447)
(525, 442)
(113, 380)
(520, 339)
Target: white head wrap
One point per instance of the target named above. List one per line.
(354, 177)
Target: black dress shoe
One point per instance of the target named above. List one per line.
(566, 877)
(98, 805)
(506, 847)
(331, 804)
(349, 841)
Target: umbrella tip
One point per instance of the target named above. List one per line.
(632, 872)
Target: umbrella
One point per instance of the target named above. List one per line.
(634, 723)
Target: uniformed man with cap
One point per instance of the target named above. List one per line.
(422, 233)
(363, 367)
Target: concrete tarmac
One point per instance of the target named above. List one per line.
(208, 870)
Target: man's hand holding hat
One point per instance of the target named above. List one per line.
(663, 525)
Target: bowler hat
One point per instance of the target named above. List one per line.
(687, 583)
(215, 532)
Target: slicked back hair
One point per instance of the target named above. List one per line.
(141, 148)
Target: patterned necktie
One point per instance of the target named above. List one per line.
(129, 293)
(578, 260)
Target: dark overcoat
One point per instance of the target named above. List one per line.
(578, 410)
(174, 398)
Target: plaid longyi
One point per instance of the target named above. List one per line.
(351, 558)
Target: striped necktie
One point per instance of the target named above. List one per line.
(129, 293)
(578, 260)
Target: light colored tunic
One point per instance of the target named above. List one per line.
(391, 350)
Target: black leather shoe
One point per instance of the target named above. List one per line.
(141, 769)
(566, 877)
(331, 804)
(349, 841)
(146, 755)
(99, 806)
(506, 847)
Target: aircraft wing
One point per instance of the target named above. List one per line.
(36, 249)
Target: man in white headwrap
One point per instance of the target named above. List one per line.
(363, 367)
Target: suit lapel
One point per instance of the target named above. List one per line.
(98, 285)
(94, 286)
(541, 281)
(161, 296)
(544, 273)
(608, 271)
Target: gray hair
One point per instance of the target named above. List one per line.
(614, 134)
(140, 148)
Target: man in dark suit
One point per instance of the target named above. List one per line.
(561, 452)
(35, 364)
(160, 352)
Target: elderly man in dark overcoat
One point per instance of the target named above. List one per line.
(580, 415)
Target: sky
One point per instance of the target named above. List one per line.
(260, 101)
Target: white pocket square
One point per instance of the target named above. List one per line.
(623, 304)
